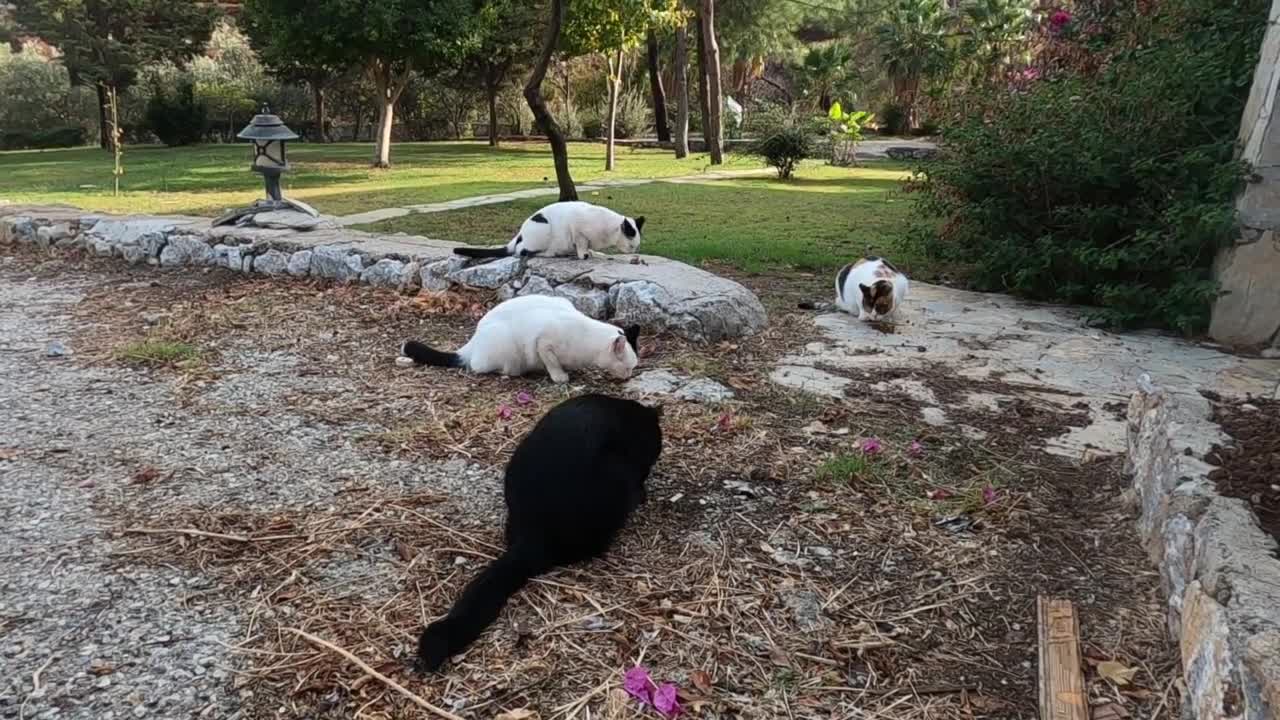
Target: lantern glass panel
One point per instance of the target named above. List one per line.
(268, 155)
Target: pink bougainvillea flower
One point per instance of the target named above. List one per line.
(523, 398)
(871, 446)
(988, 495)
(504, 412)
(915, 449)
(638, 684)
(665, 700)
(1059, 18)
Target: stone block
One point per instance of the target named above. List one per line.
(336, 262)
(488, 275)
(385, 273)
(271, 262)
(1213, 685)
(590, 301)
(1262, 675)
(186, 250)
(1248, 311)
(299, 263)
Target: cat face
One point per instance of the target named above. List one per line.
(620, 358)
(631, 234)
(877, 298)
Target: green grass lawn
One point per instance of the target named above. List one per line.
(818, 221)
(337, 179)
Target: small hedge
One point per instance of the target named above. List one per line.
(43, 139)
(1110, 185)
(177, 117)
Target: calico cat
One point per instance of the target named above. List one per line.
(568, 228)
(871, 288)
(537, 332)
(570, 486)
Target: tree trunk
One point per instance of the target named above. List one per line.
(355, 132)
(704, 104)
(104, 131)
(615, 89)
(491, 89)
(655, 86)
(681, 70)
(390, 86)
(317, 96)
(715, 98)
(533, 95)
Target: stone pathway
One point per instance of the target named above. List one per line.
(1042, 353)
(374, 216)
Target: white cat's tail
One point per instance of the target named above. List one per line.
(422, 354)
(489, 252)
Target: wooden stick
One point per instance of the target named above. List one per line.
(1061, 681)
(185, 531)
(408, 694)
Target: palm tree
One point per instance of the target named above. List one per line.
(995, 30)
(912, 42)
(825, 69)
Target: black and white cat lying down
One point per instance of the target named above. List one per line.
(568, 228)
(537, 332)
(570, 486)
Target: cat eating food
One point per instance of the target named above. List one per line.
(567, 228)
(537, 332)
(871, 288)
(569, 487)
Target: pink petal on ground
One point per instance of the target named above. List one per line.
(523, 398)
(504, 412)
(871, 446)
(665, 700)
(638, 684)
(988, 495)
(916, 449)
(939, 494)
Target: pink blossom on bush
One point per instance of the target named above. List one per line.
(1059, 19)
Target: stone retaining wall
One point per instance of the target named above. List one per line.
(656, 293)
(1218, 569)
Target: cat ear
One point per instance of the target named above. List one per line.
(640, 223)
(620, 347)
(628, 229)
(866, 291)
(633, 337)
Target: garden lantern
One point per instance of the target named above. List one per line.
(269, 134)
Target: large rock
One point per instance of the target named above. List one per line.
(19, 229)
(336, 262)
(590, 301)
(488, 275)
(186, 250)
(271, 262)
(300, 263)
(292, 220)
(1248, 311)
(386, 273)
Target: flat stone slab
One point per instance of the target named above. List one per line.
(655, 293)
(1033, 346)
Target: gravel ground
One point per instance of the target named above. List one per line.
(85, 632)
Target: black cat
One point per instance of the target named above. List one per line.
(570, 486)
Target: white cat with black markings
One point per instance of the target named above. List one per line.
(537, 332)
(568, 228)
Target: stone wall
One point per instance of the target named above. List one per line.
(1248, 313)
(656, 293)
(1218, 570)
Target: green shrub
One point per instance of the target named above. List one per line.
(844, 132)
(43, 139)
(784, 140)
(1111, 188)
(894, 120)
(177, 117)
(634, 116)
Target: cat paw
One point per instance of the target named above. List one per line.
(559, 378)
(433, 649)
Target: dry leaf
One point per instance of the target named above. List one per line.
(146, 475)
(701, 680)
(521, 714)
(1116, 673)
(405, 551)
(8, 453)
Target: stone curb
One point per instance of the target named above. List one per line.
(1218, 570)
(656, 293)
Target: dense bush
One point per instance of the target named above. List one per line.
(784, 139)
(36, 94)
(176, 117)
(1107, 182)
(42, 139)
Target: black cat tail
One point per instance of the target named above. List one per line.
(478, 606)
(493, 252)
(425, 355)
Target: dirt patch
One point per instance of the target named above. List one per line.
(783, 567)
(1249, 467)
